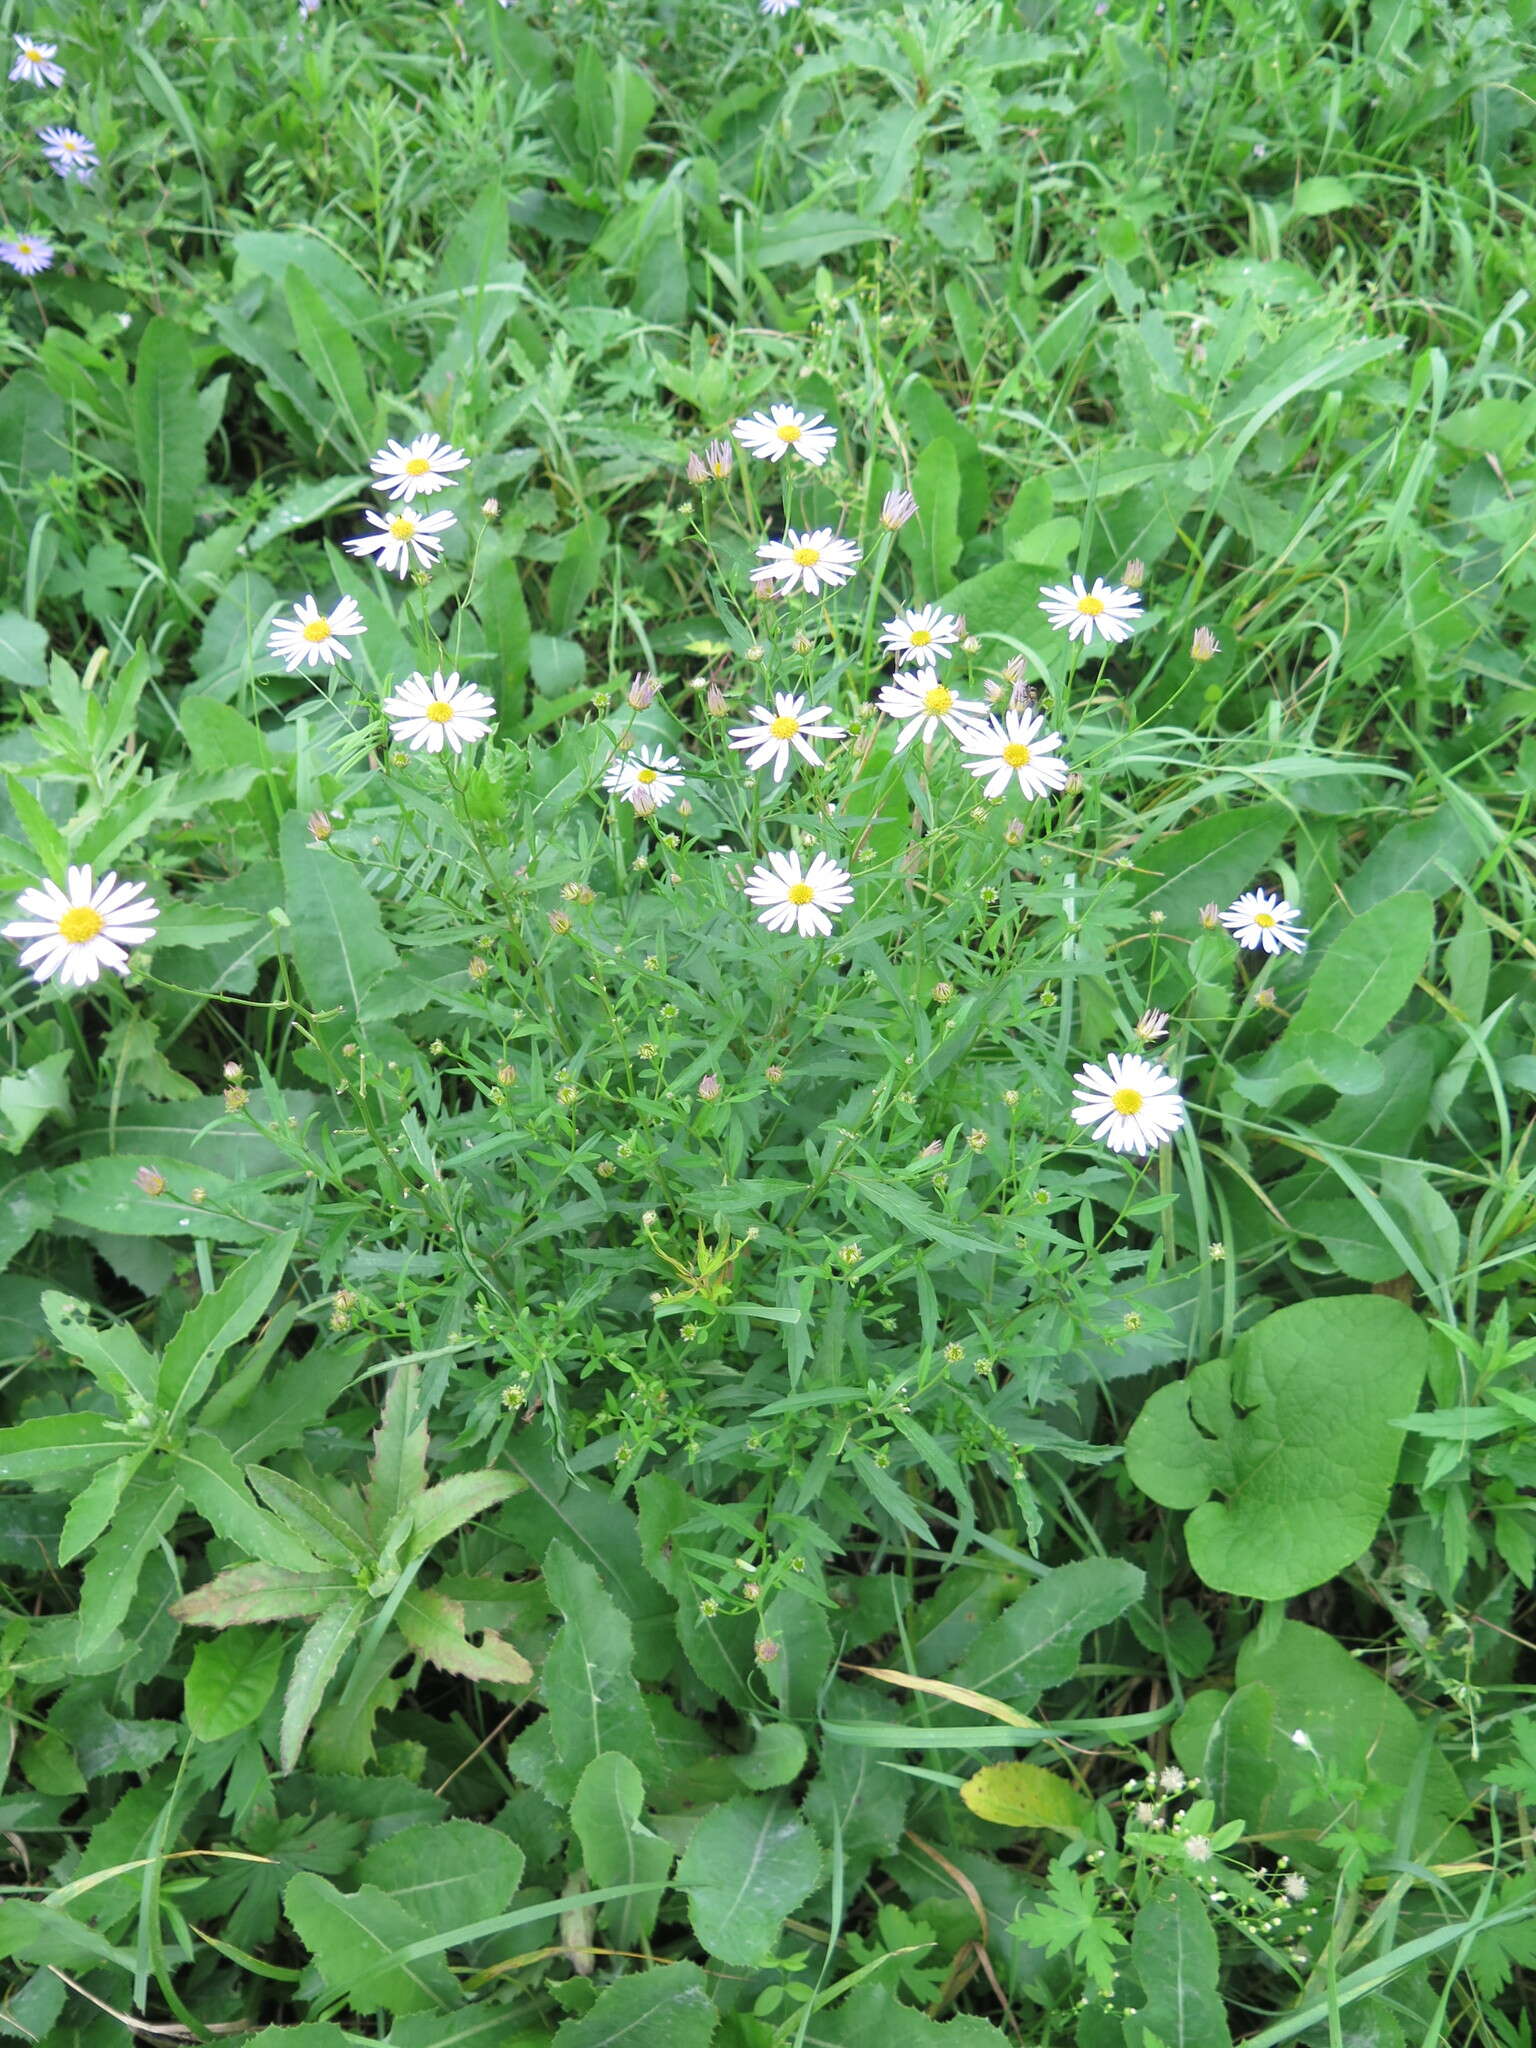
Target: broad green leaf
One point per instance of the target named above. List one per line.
(617, 1848)
(355, 1938)
(931, 541)
(1026, 1796)
(1036, 1643)
(343, 958)
(748, 1864)
(168, 436)
(1316, 196)
(588, 1682)
(30, 1095)
(115, 1356)
(230, 1680)
(328, 349)
(800, 1632)
(1430, 854)
(94, 1506)
(777, 1757)
(145, 1514)
(329, 1638)
(215, 1486)
(446, 1874)
(23, 652)
(1234, 1769)
(397, 1472)
(1296, 1430)
(874, 2017)
(48, 1445)
(219, 1321)
(43, 1935)
(259, 1592)
(1173, 1946)
(1368, 972)
(1208, 862)
(1307, 1059)
(452, 1502)
(433, 1625)
(667, 2008)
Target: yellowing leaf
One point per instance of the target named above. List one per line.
(1025, 1796)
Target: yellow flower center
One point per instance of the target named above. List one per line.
(645, 775)
(801, 892)
(807, 557)
(80, 924)
(69, 143)
(1016, 754)
(402, 526)
(32, 56)
(417, 465)
(1127, 1101)
(939, 700)
(788, 432)
(439, 712)
(921, 638)
(785, 729)
(1090, 607)
(318, 630)
(23, 248)
(1264, 919)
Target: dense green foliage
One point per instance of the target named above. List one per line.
(576, 1469)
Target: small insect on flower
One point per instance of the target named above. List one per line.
(786, 730)
(1107, 609)
(71, 154)
(1016, 747)
(313, 636)
(923, 704)
(417, 468)
(34, 63)
(646, 779)
(1259, 920)
(922, 636)
(792, 898)
(400, 536)
(896, 508)
(442, 713)
(770, 435)
(808, 561)
(77, 931)
(1134, 1107)
(28, 255)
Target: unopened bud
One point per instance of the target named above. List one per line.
(559, 923)
(233, 1071)
(970, 644)
(714, 699)
(943, 992)
(720, 456)
(1135, 573)
(642, 691)
(1210, 916)
(897, 509)
(319, 826)
(698, 469)
(506, 1074)
(478, 967)
(491, 508)
(709, 1088)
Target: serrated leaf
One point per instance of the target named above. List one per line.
(168, 436)
(329, 1638)
(94, 1506)
(446, 1874)
(355, 1937)
(114, 1356)
(777, 1757)
(454, 1501)
(215, 1486)
(327, 1533)
(31, 1095)
(588, 1682)
(1026, 1796)
(875, 2018)
(1036, 1643)
(617, 1848)
(397, 1472)
(230, 1680)
(748, 1865)
(1296, 1430)
(219, 1322)
(433, 1625)
(669, 2008)
(109, 1582)
(258, 1592)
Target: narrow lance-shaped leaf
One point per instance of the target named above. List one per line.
(433, 1625)
(168, 436)
(216, 1487)
(456, 1500)
(115, 1357)
(397, 1473)
(219, 1321)
(111, 1578)
(313, 1669)
(259, 1592)
(46, 1446)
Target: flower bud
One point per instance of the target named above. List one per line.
(709, 1088)
(1204, 645)
(319, 826)
(897, 509)
(150, 1182)
(642, 691)
(1135, 573)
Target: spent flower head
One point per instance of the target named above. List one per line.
(896, 508)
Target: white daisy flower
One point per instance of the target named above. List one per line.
(646, 778)
(75, 932)
(808, 561)
(1016, 746)
(1079, 612)
(923, 704)
(28, 255)
(792, 898)
(312, 635)
(1135, 1107)
(788, 728)
(34, 63)
(777, 6)
(1259, 920)
(923, 636)
(768, 435)
(442, 713)
(417, 468)
(399, 536)
(72, 154)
